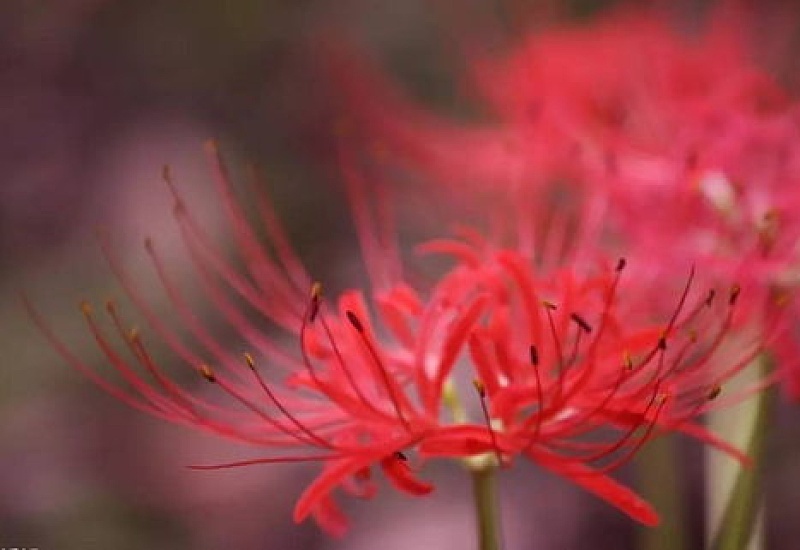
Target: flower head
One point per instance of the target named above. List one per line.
(674, 141)
(497, 359)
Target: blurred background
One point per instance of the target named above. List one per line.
(97, 96)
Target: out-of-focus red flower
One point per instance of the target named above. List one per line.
(497, 359)
(678, 140)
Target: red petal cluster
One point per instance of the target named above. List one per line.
(499, 358)
(678, 141)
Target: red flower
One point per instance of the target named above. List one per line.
(495, 360)
(674, 141)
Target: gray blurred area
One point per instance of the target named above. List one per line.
(97, 95)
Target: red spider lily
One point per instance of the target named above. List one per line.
(566, 368)
(676, 142)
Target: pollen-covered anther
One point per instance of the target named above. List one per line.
(713, 393)
(480, 387)
(549, 305)
(248, 359)
(734, 294)
(133, 334)
(207, 373)
(86, 308)
(627, 360)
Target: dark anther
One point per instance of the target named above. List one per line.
(621, 263)
(734, 295)
(355, 321)
(581, 322)
(316, 296)
(534, 356)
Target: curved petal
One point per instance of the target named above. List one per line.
(600, 485)
(332, 475)
(399, 474)
(330, 517)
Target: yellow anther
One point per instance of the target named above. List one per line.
(207, 373)
(627, 360)
(480, 387)
(249, 360)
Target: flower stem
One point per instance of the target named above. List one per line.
(484, 491)
(659, 472)
(738, 526)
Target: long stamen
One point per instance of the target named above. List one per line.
(133, 340)
(658, 400)
(601, 405)
(387, 381)
(153, 400)
(207, 373)
(269, 460)
(281, 407)
(538, 415)
(549, 308)
(316, 305)
(481, 389)
(583, 327)
(661, 401)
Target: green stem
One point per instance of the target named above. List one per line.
(488, 519)
(659, 474)
(739, 519)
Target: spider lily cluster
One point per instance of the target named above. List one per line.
(535, 343)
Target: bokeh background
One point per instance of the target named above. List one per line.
(97, 95)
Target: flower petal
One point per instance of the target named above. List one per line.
(399, 474)
(329, 517)
(334, 474)
(600, 485)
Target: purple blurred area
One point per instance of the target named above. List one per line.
(97, 96)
